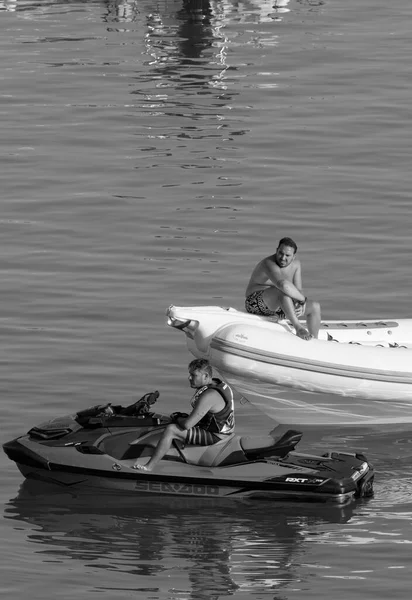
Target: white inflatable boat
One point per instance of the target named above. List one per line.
(368, 363)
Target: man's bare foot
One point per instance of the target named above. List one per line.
(303, 333)
(140, 467)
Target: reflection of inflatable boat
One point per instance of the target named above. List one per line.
(96, 448)
(368, 360)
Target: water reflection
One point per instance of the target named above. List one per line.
(222, 11)
(219, 546)
(195, 31)
(122, 11)
(9, 5)
(130, 10)
(184, 91)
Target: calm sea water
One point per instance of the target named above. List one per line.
(151, 153)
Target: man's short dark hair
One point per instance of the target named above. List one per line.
(201, 364)
(286, 241)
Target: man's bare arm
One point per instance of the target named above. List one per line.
(297, 277)
(274, 273)
(207, 401)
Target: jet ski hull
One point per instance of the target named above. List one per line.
(68, 454)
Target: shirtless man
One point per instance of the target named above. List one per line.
(275, 289)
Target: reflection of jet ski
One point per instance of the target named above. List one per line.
(97, 447)
(119, 535)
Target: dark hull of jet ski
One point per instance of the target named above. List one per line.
(94, 451)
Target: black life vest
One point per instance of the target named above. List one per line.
(222, 422)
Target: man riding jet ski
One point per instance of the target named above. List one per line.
(99, 448)
(211, 420)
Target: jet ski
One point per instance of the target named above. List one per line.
(95, 449)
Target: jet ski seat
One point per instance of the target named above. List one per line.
(235, 449)
(260, 446)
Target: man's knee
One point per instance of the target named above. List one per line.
(170, 430)
(173, 431)
(272, 297)
(313, 307)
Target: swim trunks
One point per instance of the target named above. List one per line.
(255, 305)
(197, 436)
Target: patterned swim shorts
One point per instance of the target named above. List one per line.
(196, 436)
(255, 305)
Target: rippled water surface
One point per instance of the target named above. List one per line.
(151, 153)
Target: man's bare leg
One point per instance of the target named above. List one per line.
(171, 433)
(275, 298)
(288, 308)
(313, 317)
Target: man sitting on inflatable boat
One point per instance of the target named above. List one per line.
(211, 420)
(275, 289)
